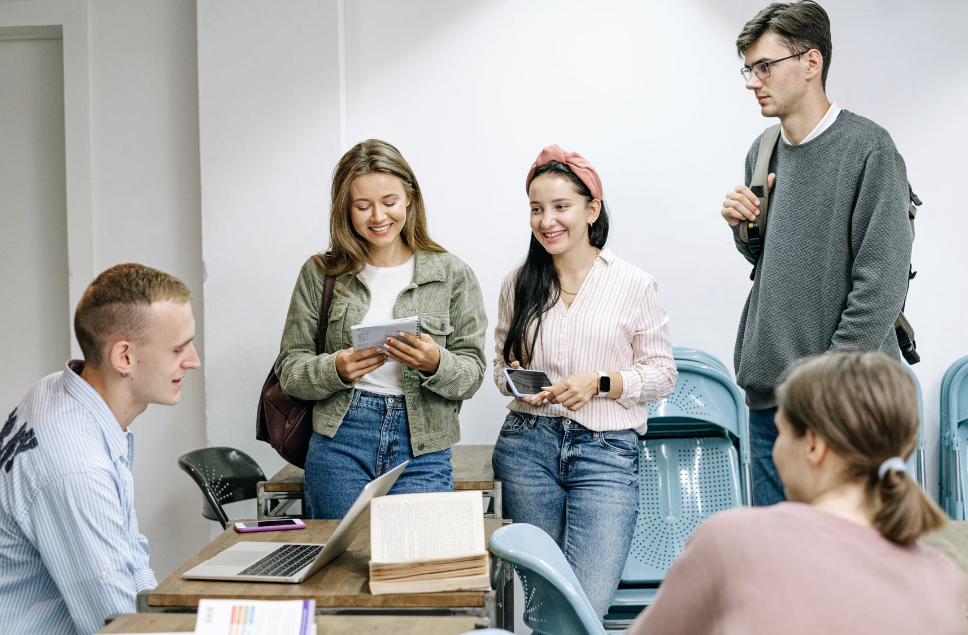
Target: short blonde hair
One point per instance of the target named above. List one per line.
(115, 305)
(865, 407)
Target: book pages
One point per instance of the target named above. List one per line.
(416, 527)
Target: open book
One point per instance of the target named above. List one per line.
(421, 543)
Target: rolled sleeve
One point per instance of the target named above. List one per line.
(82, 534)
(653, 374)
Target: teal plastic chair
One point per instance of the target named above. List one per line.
(693, 462)
(954, 438)
(915, 462)
(696, 355)
(554, 602)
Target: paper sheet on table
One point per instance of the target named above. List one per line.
(256, 617)
(412, 527)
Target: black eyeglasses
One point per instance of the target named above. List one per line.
(762, 69)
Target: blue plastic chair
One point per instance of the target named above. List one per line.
(954, 438)
(696, 355)
(915, 462)
(693, 462)
(554, 602)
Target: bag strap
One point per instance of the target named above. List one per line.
(328, 285)
(754, 232)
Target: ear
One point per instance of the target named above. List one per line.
(121, 357)
(594, 208)
(815, 448)
(814, 64)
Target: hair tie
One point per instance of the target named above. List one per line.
(576, 162)
(893, 464)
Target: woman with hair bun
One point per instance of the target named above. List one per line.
(843, 556)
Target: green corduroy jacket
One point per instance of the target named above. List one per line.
(447, 298)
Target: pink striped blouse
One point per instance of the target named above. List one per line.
(614, 324)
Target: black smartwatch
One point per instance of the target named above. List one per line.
(604, 383)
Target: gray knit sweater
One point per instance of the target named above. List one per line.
(834, 271)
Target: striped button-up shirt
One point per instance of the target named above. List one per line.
(615, 323)
(70, 550)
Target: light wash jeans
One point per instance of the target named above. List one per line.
(373, 439)
(579, 486)
(767, 486)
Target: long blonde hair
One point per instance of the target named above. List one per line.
(865, 407)
(349, 251)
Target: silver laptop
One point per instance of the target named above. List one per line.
(253, 561)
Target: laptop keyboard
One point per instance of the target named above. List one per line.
(284, 561)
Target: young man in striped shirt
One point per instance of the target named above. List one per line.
(71, 552)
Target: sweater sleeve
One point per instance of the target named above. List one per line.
(690, 598)
(881, 246)
(302, 373)
(653, 373)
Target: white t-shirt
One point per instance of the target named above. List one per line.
(385, 284)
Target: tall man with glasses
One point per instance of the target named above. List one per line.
(833, 271)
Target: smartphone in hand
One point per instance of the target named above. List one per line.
(526, 383)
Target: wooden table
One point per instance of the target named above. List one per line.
(325, 624)
(472, 471)
(341, 587)
(952, 541)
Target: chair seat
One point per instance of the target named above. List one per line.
(681, 483)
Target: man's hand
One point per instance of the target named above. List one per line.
(351, 365)
(421, 354)
(741, 204)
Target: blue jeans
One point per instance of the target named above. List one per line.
(579, 486)
(767, 486)
(372, 439)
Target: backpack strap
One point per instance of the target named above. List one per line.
(753, 232)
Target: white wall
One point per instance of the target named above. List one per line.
(470, 92)
(130, 83)
(33, 339)
(144, 116)
(651, 94)
(269, 126)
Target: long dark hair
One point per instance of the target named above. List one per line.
(537, 286)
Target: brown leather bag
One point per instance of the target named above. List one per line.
(285, 422)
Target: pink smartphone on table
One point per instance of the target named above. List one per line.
(275, 524)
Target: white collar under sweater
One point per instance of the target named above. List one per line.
(828, 120)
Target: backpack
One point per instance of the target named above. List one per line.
(285, 422)
(753, 233)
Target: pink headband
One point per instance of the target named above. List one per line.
(582, 168)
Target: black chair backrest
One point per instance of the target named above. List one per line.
(225, 475)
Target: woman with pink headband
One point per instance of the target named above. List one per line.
(568, 456)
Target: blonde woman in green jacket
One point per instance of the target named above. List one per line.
(375, 409)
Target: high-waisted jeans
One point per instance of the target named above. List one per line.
(372, 439)
(578, 485)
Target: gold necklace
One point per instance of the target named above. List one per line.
(569, 292)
